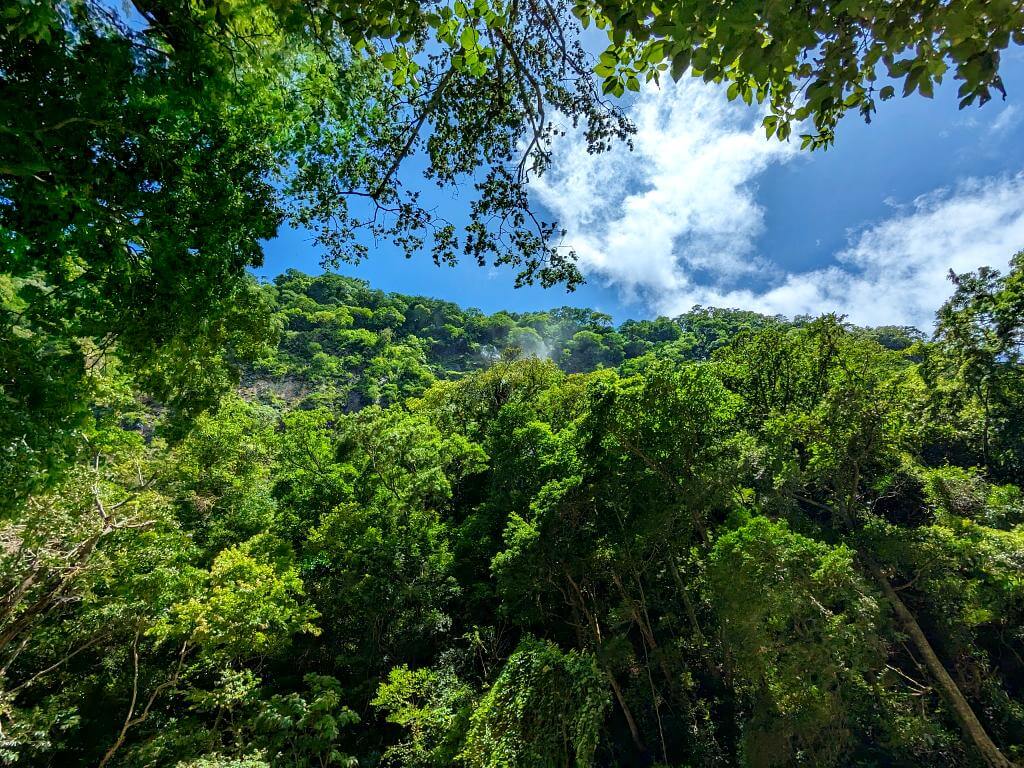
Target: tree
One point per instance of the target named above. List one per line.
(304, 731)
(979, 354)
(803, 630)
(808, 61)
(132, 203)
(545, 709)
(150, 149)
(587, 350)
(833, 423)
(433, 706)
(762, 542)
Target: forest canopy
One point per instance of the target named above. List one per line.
(150, 147)
(419, 535)
(310, 523)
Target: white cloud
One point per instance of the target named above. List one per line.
(1007, 119)
(894, 272)
(681, 202)
(675, 223)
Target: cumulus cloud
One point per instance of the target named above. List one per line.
(675, 223)
(682, 202)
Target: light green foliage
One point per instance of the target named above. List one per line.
(979, 351)
(219, 761)
(802, 628)
(346, 346)
(222, 475)
(545, 709)
(248, 604)
(433, 707)
(304, 730)
(376, 545)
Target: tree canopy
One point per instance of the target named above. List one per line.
(149, 148)
(309, 523)
(409, 539)
(810, 62)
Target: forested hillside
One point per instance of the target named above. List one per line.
(307, 523)
(424, 536)
(347, 345)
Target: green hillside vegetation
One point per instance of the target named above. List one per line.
(719, 539)
(346, 345)
(311, 524)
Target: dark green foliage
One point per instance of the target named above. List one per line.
(803, 631)
(314, 524)
(808, 61)
(746, 546)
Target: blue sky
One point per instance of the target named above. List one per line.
(707, 211)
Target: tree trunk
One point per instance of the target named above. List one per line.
(634, 732)
(691, 612)
(947, 687)
(951, 693)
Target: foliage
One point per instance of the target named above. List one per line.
(545, 709)
(303, 731)
(150, 148)
(345, 345)
(433, 706)
(980, 346)
(802, 628)
(808, 61)
(310, 523)
(753, 542)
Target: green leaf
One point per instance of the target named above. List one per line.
(679, 64)
(913, 78)
(469, 37)
(655, 52)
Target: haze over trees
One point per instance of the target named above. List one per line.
(308, 523)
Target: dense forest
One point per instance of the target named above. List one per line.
(424, 536)
(346, 345)
(304, 522)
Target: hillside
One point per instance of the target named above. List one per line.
(426, 537)
(348, 345)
